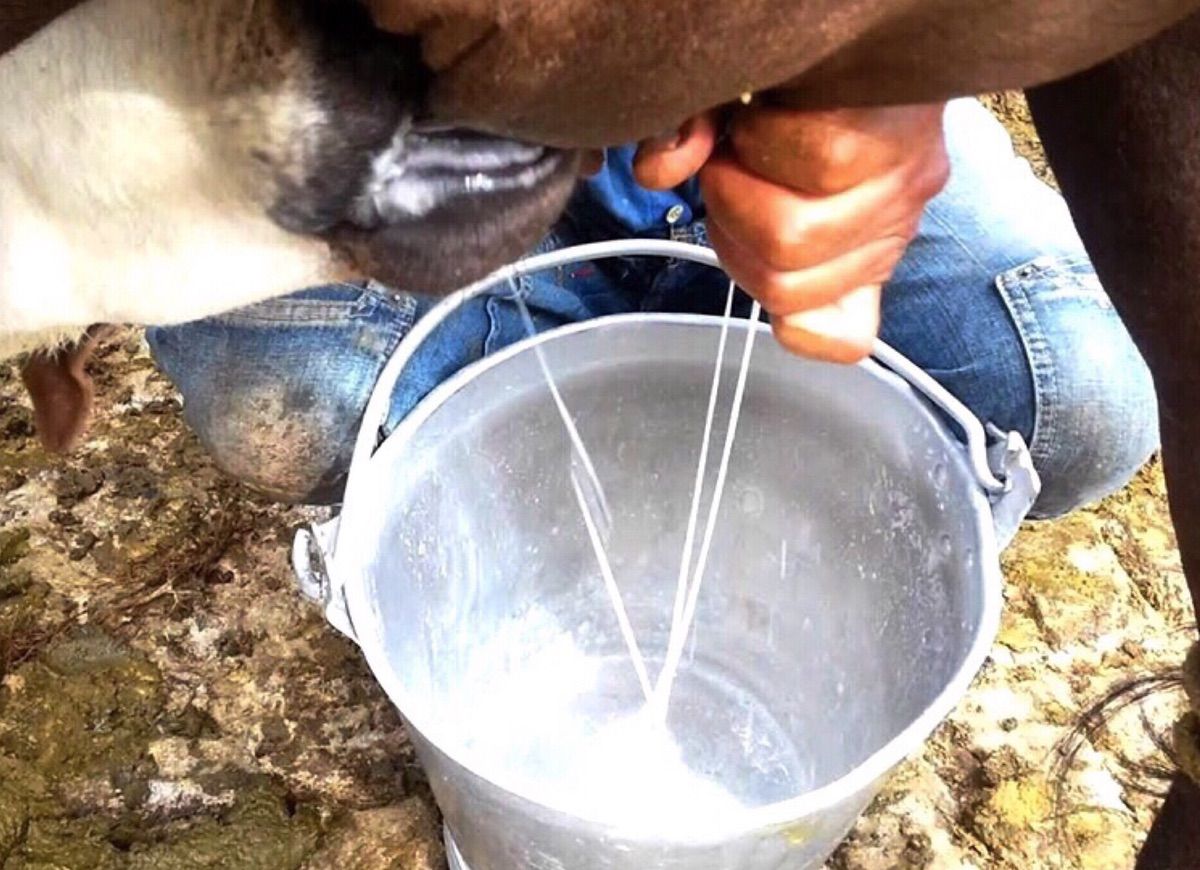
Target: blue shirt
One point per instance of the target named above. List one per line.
(614, 197)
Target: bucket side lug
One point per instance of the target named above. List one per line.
(1012, 463)
(311, 549)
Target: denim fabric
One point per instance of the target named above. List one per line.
(275, 391)
(995, 298)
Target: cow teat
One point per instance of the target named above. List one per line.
(423, 205)
(440, 210)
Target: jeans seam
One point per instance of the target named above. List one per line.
(407, 308)
(1014, 291)
(397, 329)
(1037, 352)
(309, 312)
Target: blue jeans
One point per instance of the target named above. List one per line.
(995, 298)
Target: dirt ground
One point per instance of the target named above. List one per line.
(169, 701)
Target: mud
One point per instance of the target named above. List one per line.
(168, 700)
(81, 785)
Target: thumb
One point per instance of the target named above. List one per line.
(669, 161)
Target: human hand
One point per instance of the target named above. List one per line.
(810, 212)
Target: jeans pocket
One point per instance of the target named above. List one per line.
(1057, 279)
(1095, 409)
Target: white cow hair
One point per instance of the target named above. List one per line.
(126, 191)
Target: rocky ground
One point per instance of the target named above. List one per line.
(169, 701)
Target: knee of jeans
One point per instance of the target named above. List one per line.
(1097, 420)
(278, 429)
(289, 454)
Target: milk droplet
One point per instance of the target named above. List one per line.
(939, 475)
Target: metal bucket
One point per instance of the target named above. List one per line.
(852, 592)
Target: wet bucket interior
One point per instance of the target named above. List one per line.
(847, 600)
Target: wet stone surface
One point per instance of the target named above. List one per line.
(167, 700)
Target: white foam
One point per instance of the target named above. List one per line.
(525, 719)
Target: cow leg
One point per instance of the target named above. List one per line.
(1174, 841)
(1124, 140)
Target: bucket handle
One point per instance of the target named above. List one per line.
(1001, 465)
(375, 415)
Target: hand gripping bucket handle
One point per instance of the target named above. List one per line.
(999, 461)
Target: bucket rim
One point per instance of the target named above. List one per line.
(776, 816)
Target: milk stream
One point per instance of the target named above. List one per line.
(689, 539)
(641, 745)
(681, 627)
(592, 501)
